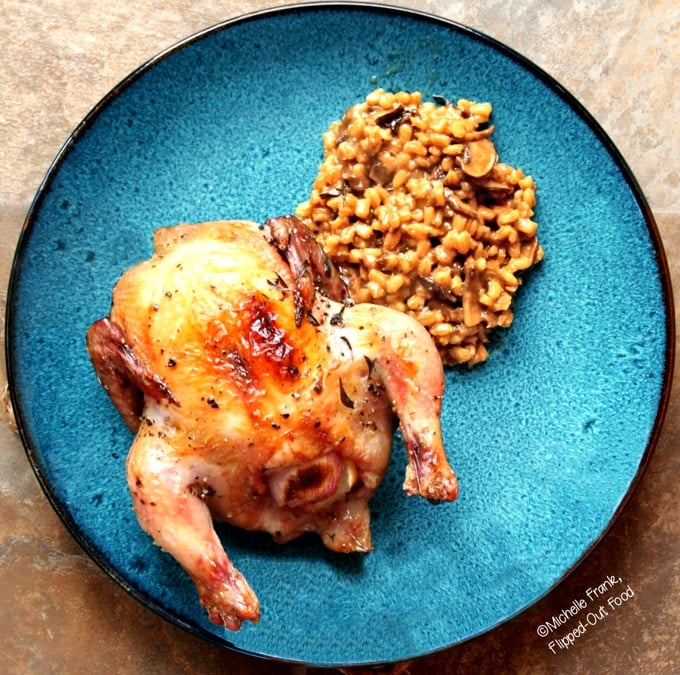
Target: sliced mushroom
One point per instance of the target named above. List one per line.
(439, 291)
(478, 158)
(392, 118)
(472, 312)
(457, 205)
(379, 173)
(479, 133)
(494, 188)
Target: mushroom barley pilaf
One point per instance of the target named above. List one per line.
(413, 205)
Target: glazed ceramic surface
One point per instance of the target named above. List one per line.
(547, 437)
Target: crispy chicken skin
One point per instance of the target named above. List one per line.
(260, 396)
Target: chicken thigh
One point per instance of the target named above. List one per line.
(259, 395)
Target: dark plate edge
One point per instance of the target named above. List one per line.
(570, 100)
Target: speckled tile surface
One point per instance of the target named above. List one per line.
(60, 613)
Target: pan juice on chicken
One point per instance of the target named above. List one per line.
(413, 205)
(260, 395)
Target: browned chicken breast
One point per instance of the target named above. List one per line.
(260, 396)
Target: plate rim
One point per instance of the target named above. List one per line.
(661, 263)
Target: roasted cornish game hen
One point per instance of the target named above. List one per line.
(259, 395)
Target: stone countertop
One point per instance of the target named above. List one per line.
(59, 613)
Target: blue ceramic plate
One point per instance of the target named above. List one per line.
(548, 437)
